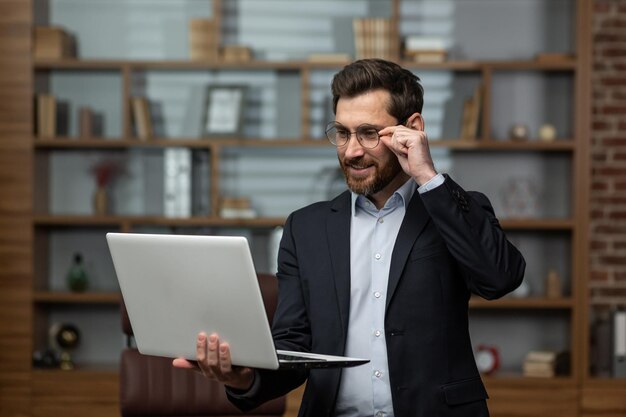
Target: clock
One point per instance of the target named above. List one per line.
(487, 359)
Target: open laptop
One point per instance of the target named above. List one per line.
(175, 286)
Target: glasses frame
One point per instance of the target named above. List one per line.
(334, 125)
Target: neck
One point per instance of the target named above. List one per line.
(380, 198)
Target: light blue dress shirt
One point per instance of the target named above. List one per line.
(365, 389)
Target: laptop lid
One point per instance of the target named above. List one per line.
(175, 286)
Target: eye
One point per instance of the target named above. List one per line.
(342, 133)
(369, 134)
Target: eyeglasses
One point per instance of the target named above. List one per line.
(339, 135)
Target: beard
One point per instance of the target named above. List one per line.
(371, 184)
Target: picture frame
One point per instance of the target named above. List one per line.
(223, 110)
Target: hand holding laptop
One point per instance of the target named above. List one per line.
(178, 287)
(213, 361)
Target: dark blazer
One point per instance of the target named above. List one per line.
(449, 245)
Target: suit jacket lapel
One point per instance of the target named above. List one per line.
(414, 221)
(338, 236)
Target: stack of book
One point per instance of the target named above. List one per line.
(203, 40)
(425, 49)
(53, 42)
(237, 208)
(236, 53)
(46, 116)
(540, 364)
(372, 38)
(546, 363)
(140, 109)
(471, 115)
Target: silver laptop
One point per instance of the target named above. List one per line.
(175, 286)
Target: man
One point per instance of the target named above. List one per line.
(384, 271)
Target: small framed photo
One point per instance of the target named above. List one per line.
(224, 110)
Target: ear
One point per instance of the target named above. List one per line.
(415, 121)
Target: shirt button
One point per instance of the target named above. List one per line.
(377, 333)
(381, 220)
(378, 374)
(380, 414)
(378, 256)
(377, 294)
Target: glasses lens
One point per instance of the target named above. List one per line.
(336, 134)
(368, 137)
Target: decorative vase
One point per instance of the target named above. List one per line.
(77, 279)
(101, 201)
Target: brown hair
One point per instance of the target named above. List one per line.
(407, 94)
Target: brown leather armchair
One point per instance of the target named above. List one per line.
(151, 386)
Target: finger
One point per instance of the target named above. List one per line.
(202, 363)
(185, 364)
(201, 347)
(225, 360)
(387, 131)
(212, 358)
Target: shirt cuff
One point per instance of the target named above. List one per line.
(433, 183)
(239, 393)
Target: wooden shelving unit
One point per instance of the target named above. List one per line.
(93, 388)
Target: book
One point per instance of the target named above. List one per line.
(237, 208)
(140, 108)
(236, 53)
(46, 116)
(372, 38)
(177, 182)
(541, 356)
(427, 56)
(425, 49)
(330, 58)
(203, 42)
(53, 42)
(85, 122)
(470, 120)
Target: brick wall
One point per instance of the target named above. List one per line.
(608, 152)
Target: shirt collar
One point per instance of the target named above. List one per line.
(404, 193)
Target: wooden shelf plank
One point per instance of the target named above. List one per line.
(118, 221)
(94, 370)
(77, 220)
(523, 303)
(293, 65)
(65, 297)
(598, 382)
(564, 65)
(117, 143)
(562, 145)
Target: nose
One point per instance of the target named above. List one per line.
(353, 148)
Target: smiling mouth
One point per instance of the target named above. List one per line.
(359, 169)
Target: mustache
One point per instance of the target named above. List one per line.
(358, 163)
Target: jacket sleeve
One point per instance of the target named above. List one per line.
(492, 266)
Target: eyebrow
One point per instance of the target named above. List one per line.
(364, 125)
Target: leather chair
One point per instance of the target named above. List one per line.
(151, 386)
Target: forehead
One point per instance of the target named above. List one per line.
(369, 107)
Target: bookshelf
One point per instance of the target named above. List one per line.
(512, 84)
